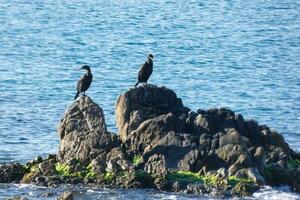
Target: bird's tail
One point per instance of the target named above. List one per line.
(137, 84)
(77, 94)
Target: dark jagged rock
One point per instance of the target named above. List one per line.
(11, 173)
(244, 189)
(153, 121)
(196, 189)
(116, 161)
(156, 165)
(143, 103)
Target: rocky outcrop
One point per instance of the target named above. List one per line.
(82, 132)
(152, 120)
(155, 124)
(11, 173)
(146, 103)
(162, 144)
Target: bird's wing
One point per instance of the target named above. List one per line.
(87, 80)
(142, 71)
(79, 83)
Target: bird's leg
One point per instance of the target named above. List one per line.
(83, 93)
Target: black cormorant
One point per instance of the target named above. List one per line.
(85, 81)
(146, 70)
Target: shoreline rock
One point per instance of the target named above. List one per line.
(164, 145)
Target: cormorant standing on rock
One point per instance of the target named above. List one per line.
(146, 70)
(84, 82)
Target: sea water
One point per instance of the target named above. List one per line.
(243, 55)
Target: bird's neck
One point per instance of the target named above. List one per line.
(88, 72)
(150, 61)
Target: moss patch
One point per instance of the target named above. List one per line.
(233, 180)
(292, 163)
(90, 173)
(31, 167)
(185, 176)
(64, 170)
(108, 176)
(137, 159)
(191, 177)
(276, 175)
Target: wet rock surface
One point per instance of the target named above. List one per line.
(162, 144)
(11, 173)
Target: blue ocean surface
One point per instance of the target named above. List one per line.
(243, 55)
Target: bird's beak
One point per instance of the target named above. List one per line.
(78, 68)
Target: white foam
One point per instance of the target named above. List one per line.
(282, 193)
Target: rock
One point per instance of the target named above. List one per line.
(51, 157)
(82, 132)
(252, 174)
(48, 194)
(276, 155)
(178, 186)
(217, 193)
(253, 132)
(156, 165)
(233, 169)
(244, 189)
(66, 196)
(172, 146)
(162, 183)
(151, 131)
(276, 139)
(232, 137)
(98, 165)
(11, 173)
(295, 154)
(128, 180)
(196, 188)
(222, 173)
(220, 119)
(158, 138)
(47, 167)
(55, 181)
(205, 140)
(244, 160)
(134, 179)
(240, 124)
(230, 152)
(214, 145)
(33, 162)
(200, 125)
(260, 158)
(30, 177)
(212, 162)
(190, 127)
(40, 181)
(189, 140)
(16, 198)
(191, 161)
(116, 161)
(143, 103)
